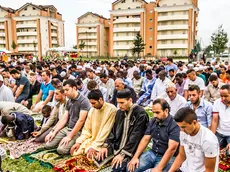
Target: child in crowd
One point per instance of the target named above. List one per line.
(40, 137)
(20, 124)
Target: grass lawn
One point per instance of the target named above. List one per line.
(20, 165)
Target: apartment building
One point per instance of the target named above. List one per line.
(93, 30)
(176, 27)
(168, 28)
(34, 28)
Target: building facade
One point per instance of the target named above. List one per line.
(168, 28)
(33, 28)
(93, 32)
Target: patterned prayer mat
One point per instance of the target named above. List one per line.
(47, 158)
(80, 164)
(19, 148)
(224, 164)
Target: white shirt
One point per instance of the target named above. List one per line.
(131, 70)
(203, 144)
(224, 117)
(6, 94)
(198, 81)
(176, 104)
(159, 89)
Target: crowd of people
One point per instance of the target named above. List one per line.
(98, 109)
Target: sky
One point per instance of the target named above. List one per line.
(212, 13)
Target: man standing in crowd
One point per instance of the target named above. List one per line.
(199, 148)
(130, 124)
(68, 129)
(22, 88)
(164, 133)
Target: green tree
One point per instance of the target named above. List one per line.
(175, 52)
(219, 40)
(197, 48)
(82, 45)
(14, 45)
(139, 45)
(75, 47)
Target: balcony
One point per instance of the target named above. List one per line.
(2, 42)
(26, 25)
(172, 46)
(2, 34)
(26, 33)
(87, 37)
(181, 36)
(84, 30)
(127, 29)
(127, 11)
(128, 20)
(26, 41)
(89, 50)
(54, 41)
(87, 24)
(124, 38)
(122, 47)
(54, 34)
(25, 49)
(173, 27)
(91, 43)
(54, 27)
(173, 17)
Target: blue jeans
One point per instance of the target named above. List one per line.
(150, 160)
(223, 140)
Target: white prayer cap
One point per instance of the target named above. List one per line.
(63, 74)
(99, 68)
(97, 71)
(201, 68)
(87, 66)
(170, 85)
(1, 78)
(217, 66)
(196, 69)
(79, 67)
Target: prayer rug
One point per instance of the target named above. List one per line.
(224, 163)
(80, 164)
(18, 148)
(47, 158)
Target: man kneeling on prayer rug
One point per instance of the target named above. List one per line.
(97, 127)
(130, 124)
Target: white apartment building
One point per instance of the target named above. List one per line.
(176, 27)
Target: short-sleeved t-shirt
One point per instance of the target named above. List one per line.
(203, 144)
(224, 117)
(199, 82)
(46, 88)
(75, 106)
(26, 89)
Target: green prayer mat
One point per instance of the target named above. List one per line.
(47, 158)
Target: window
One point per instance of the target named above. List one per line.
(35, 30)
(151, 11)
(127, 34)
(119, 8)
(127, 43)
(117, 17)
(172, 41)
(127, 16)
(127, 25)
(128, 7)
(151, 29)
(138, 7)
(185, 12)
(172, 12)
(123, 1)
(34, 8)
(174, 4)
(23, 15)
(150, 47)
(151, 20)
(25, 9)
(183, 41)
(89, 27)
(172, 32)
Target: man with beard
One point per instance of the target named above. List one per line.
(202, 108)
(221, 115)
(130, 124)
(165, 134)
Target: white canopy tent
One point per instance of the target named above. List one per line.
(5, 51)
(63, 49)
